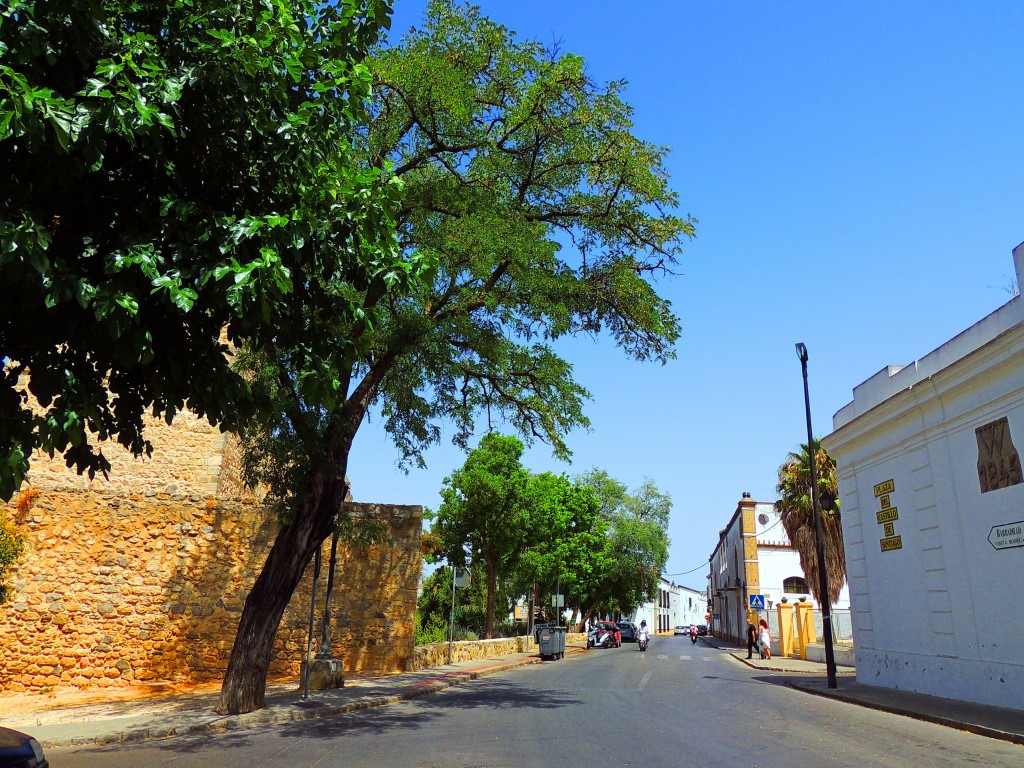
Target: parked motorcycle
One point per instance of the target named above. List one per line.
(604, 635)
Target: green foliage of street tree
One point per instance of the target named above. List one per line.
(636, 545)
(796, 509)
(170, 172)
(591, 539)
(213, 179)
(483, 517)
(568, 552)
(506, 150)
(433, 607)
(433, 610)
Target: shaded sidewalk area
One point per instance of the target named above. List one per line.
(158, 716)
(810, 677)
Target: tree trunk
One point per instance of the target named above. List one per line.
(245, 682)
(589, 612)
(492, 585)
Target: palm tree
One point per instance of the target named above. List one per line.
(794, 507)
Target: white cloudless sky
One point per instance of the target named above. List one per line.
(857, 170)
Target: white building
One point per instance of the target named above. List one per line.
(933, 515)
(675, 606)
(755, 557)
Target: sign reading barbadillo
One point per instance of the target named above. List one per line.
(1007, 535)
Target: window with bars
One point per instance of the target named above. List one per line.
(795, 585)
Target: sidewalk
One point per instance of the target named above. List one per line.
(162, 716)
(811, 677)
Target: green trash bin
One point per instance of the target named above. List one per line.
(551, 641)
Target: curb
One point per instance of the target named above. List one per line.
(960, 725)
(316, 711)
(776, 669)
(980, 730)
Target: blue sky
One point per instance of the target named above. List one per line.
(857, 170)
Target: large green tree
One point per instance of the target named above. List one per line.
(797, 512)
(545, 218)
(567, 551)
(171, 172)
(483, 517)
(636, 545)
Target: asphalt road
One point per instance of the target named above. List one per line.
(678, 704)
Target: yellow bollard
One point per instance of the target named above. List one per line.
(787, 640)
(805, 625)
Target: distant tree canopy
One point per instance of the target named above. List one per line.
(568, 553)
(434, 607)
(484, 517)
(171, 172)
(637, 542)
(590, 539)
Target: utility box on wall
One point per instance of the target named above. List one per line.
(933, 515)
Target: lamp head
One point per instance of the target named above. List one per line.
(801, 352)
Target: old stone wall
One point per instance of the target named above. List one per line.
(187, 459)
(115, 589)
(436, 654)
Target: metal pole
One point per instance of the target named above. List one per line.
(325, 634)
(530, 600)
(309, 639)
(819, 535)
(558, 608)
(451, 623)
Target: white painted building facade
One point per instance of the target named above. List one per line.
(933, 515)
(755, 557)
(778, 564)
(674, 606)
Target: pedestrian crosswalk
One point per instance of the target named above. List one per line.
(684, 658)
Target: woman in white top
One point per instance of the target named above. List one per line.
(765, 639)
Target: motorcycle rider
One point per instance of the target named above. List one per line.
(643, 635)
(693, 633)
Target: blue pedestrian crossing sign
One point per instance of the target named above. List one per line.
(757, 602)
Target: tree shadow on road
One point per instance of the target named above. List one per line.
(418, 713)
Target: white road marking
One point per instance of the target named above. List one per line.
(662, 656)
(684, 658)
(644, 679)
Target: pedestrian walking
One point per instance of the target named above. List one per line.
(751, 638)
(766, 640)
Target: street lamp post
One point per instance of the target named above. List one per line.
(819, 536)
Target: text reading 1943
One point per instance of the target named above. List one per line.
(998, 460)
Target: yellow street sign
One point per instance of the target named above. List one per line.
(890, 543)
(887, 515)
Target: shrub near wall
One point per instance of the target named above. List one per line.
(115, 589)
